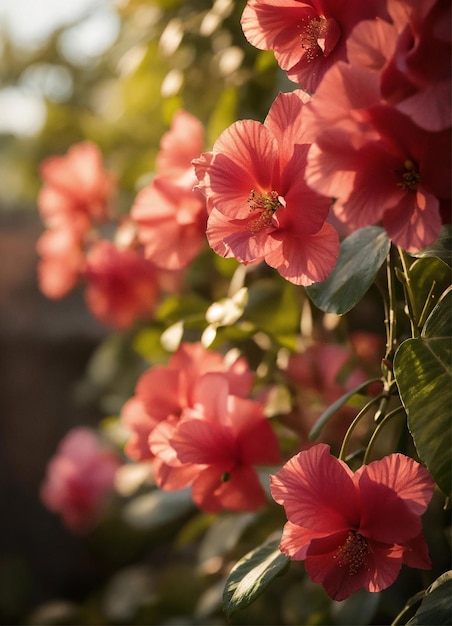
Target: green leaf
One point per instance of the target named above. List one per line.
(429, 278)
(436, 607)
(423, 372)
(441, 248)
(361, 255)
(252, 574)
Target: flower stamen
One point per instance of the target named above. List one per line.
(319, 35)
(353, 553)
(266, 204)
(411, 177)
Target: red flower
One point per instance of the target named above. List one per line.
(62, 261)
(377, 163)
(356, 529)
(214, 448)
(121, 285)
(79, 479)
(164, 391)
(261, 207)
(171, 216)
(307, 37)
(77, 189)
(75, 195)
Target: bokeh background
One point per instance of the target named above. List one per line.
(115, 72)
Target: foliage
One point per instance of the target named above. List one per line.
(360, 361)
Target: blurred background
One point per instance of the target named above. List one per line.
(113, 72)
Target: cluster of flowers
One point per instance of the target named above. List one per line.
(124, 274)
(369, 128)
(366, 137)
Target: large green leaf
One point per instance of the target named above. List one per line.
(441, 248)
(361, 255)
(423, 371)
(251, 575)
(436, 607)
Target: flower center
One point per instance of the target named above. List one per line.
(410, 176)
(353, 553)
(319, 35)
(265, 204)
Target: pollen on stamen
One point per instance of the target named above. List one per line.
(319, 36)
(353, 554)
(410, 176)
(265, 205)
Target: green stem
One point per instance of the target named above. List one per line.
(355, 422)
(377, 430)
(392, 317)
(409, 295)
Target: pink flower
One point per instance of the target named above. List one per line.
(178, 147)
(307, 37)
(379, 165)
(75, 195)
(165, 391)
(417, 76)
(77, 189)
(62, 261)
(122, 286)
(171, 222)
(215, 446)
(353, 529)
(261, 206)
(79, 479)
(323, 373)
(170, 215)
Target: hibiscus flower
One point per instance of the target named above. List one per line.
(61, 263)
(260, 205)
(214, 447)
(77, 189)
(379, 165)
(79, 479)
(307, 37)
(170, 216)
(353, 529)
(163, 392)
(121, 287)
(412, 56)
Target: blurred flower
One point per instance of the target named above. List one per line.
(121, 287)
(214, 446)
(62, 262)
(261, 207)
(80, 479)
(75, 196)
(170, 215)
(77, 189)
(307, 37)
(353, 530)
(164, 391)
(321, 375)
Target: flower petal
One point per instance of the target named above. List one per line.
(317, 491)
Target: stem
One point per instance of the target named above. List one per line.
(355, 422)
(409, 295)
(391, 321)
(377, 430)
